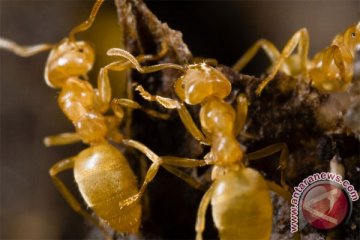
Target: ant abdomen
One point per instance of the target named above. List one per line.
(241, 205)
(105, 178)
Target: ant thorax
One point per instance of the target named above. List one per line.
(92, 128)
(201, 81)
(217, 118)
(68, 59)
(76, 98)
(77, 101)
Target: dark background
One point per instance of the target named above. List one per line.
(31, 207)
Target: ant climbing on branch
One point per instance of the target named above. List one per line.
(237, 190)
(101, 171)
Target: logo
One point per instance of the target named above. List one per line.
(323, 200)
(325, 206)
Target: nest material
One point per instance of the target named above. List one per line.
(289, 110)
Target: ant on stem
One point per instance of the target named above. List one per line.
(237, 190)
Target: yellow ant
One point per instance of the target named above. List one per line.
(241, 205)
(102, 173)
(329, 70)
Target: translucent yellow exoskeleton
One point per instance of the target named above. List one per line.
(239, 195)
(101, 172)
(329, 70)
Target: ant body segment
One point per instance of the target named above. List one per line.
(329, 70)
(236, 190)
(101, 171)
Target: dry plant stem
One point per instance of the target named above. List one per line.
(285, 112)
(134, 14)
(233, 183)
(144, 33)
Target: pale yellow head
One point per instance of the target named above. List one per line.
(201, 81)
(68, 59)
(352, 37)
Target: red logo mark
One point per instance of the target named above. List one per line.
(325, 206)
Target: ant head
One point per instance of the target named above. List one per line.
(68, 59)
(201, 81)
(352, 37)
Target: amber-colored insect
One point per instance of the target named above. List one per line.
(101, 172)
(329, 70)
(241, 205)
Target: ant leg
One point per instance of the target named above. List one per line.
(104, 88)
(145, 201)
(346, 74)
(166, 160)
(270, 150)
(88, 23)
(285, 195)
(183, 162)
(182, 110)
(300, 39)
(151, 173)
(170, 164)
(61, 139)
(134, 105)
(69, 197)
(269, 48)
(165, 102)
(24, 51)
(103, 82)
(241, 113)
(190, 125)
(318, 76)
(279, 190)
(184, 176)
(201, 214)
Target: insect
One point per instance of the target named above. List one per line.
(329, 70)
(238, 193)
(101, 171)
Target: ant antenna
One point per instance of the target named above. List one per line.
(24, 51)
(147, 69)
(88, 23)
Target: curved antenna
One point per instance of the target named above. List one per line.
(24, 51)
(88, 23)
(147, 69)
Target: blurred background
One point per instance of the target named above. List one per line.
(30, 205)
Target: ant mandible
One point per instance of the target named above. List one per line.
(237, 190)
(102, 173)
(329, 70)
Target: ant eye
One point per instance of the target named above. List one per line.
(81, 50)
(353, 35)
